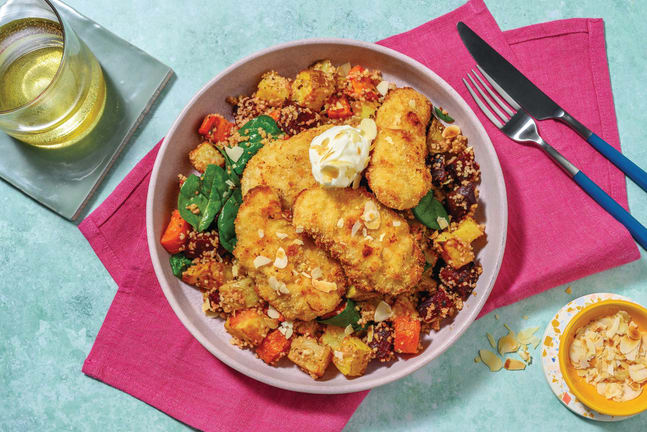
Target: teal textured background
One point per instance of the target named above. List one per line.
(55, 293)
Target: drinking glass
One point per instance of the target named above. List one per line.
(52, 90)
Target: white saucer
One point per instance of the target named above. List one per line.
(550, 361)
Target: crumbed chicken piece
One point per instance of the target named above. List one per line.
(284, 165)
(292, 274)
(373, 243)
(397, 173)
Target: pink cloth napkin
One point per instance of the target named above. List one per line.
(556, 234)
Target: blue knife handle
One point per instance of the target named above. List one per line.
(633, 171)
(637, 230)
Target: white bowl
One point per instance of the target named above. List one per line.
(241, 78)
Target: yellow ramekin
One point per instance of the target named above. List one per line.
(585, 392)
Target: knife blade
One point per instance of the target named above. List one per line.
(538, 103)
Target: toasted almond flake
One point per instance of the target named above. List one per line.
(297, 242)
(442, 222)
(477, 359)
(412, 103)
(234, 152)
(283, 289)
(371, 215)
(368, 128)
(344, 69)
(273, 313)
(451, 131)
(389, 139)
(281, 260)
(568, 290)
(348, 330)
(294, 272)
(298, 229)
(382, 312)
(382, 236)
(287, 328)
(316, 273)
(508, 343)
(525, 336)
(491, 360)
(234, 270)
(304, 274)
(490, 339)
(261, 260)
(281, 235)
(324, 286)
(524, 355)
(629, 393)
(339, 355)
(340, 223)
(638, 373)
(364, 232)
(514, 364)
(397, 223)
(261, 233)
(633, 331)
(369, 334)
(627, 344)
(384, 86)
(496, 316)
(356, 226)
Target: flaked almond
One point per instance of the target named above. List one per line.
(491, 360)
(306, 275)
(281, 235)
(514, 364)
(261, 260)
(298, 229)
(629, 393)
(638, 373)
(324, 286)
(627, 344)
(633, 331)
(234, 152)
(356, 226)
(297, 242)
(281, 260)
(508, 343)
(451, 131)
(397, 223)
(368, 128)
(524, 355)
(382, 312)
(286, 328)
(442, 222)
(316, 273)
(261, 233)
(349, 330)
(340, 223)
(490, 339)
(273, 313)
(525, 336)
(384, 86)
(234, 270)
(371, 215)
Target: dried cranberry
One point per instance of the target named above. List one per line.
(295, 118)
(214, 298)
(463, 167)
(200, 243)
(460, 200)
(462, 281)
(382, 342)
(438, 170)
(430, 306)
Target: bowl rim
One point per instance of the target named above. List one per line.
(350, 386)
(573, 326)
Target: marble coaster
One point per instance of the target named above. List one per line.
(550, 362)
(64, 180)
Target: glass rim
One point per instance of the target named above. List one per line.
(58, 70)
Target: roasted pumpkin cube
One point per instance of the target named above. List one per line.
(310, 355)
(273, 348)
(311, 88)
(205, 154)
(274, 89)
(332, 336)
(206, 275)
(238, 294)
(247, 325)
(468, 230)
(352, 357)
(456, 252)
(406, 334)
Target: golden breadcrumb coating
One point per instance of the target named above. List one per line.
(262, 232)
(397, 173)
(284, 165)
(385, 258)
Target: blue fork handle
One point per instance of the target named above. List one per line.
(637, 230)
(633, 171)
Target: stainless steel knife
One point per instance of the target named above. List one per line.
(537, 103)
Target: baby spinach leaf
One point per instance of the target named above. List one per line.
(349, 315)
(179, 263)
(201, 198)
(226, 228)
(442, 116)
(254, 143)
(428, 210)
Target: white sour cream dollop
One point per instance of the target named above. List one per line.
(340, 154)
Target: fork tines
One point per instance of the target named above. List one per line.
(496, 107)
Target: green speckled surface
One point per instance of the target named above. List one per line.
(54, 292)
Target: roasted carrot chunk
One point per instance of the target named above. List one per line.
(176, 233)
(273, 348)
(406, 334)
(339, 108)
(215, 127)
(362, 86)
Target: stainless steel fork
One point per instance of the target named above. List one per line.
(517, 124)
